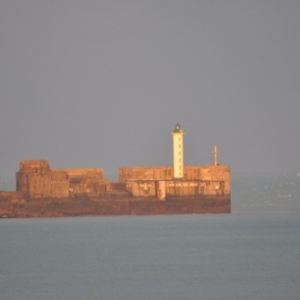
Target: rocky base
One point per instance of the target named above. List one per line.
(101, 206)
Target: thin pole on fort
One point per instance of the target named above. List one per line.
(215, 153)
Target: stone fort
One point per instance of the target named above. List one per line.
(35, 179)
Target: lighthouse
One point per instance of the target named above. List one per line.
(178, 151)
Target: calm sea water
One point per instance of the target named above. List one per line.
(253, 253)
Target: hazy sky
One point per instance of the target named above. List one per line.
(102, 83)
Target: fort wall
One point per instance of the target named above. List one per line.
(158, 181)
(166, 173)
(36, 180)
(145, 173)
(83, 173)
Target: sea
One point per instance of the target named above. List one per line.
(252, 253)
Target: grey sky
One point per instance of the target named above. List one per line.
(102, 83)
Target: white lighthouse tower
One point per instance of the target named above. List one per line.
(178, 166)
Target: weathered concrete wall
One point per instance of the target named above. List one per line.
(198, 180)
(60, 184)
(87, 181)
(215, 174)
(88, 187)
(36, 180)
(142, 188)
(166, 173)
(34, 166)
(176, 188)
(195, 188)
(145, 173)
(39, 185)
(34, 185)
(83, 173)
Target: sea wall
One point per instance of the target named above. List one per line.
(157, 181)
(111, 205)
